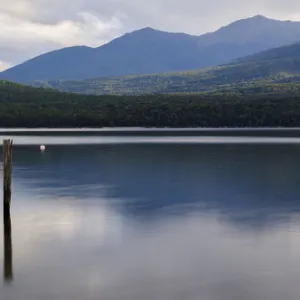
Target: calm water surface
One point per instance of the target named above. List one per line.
(164, 216)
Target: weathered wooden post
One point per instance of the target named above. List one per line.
(7, 170)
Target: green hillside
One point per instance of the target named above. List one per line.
(266, 69)
(23, 106)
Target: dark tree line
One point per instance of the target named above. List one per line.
(30, 107)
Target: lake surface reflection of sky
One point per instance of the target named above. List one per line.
(155, 221)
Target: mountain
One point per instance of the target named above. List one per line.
(148, 51)
(60, 63)
(271, 69)
(143, 51)
(258, 30)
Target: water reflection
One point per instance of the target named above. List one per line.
(255, 184)
(131, 222)
(8, 263)
(81, 252)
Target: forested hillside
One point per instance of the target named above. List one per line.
(30, 107)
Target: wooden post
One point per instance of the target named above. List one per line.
(7, 170)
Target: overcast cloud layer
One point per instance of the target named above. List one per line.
(32, 27)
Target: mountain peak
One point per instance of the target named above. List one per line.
(145, 30)
(259, 17)
(244, 27)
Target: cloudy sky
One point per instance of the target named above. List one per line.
(32, 27)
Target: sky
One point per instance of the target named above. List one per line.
(33, 27)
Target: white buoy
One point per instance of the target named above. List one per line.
(42, 147)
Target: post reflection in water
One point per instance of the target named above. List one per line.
(8, 265)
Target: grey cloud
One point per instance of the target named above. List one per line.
(283, 7)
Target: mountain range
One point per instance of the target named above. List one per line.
(149, 51)
(272, 70)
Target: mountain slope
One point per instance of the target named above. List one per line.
(269, 33)
(151, 51)
(276, 66)
(62, 62)
(143, 51)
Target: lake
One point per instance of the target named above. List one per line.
(143, 214)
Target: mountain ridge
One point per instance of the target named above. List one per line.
(275, 67)
(149, 50)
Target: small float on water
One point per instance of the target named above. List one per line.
(42, 148)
